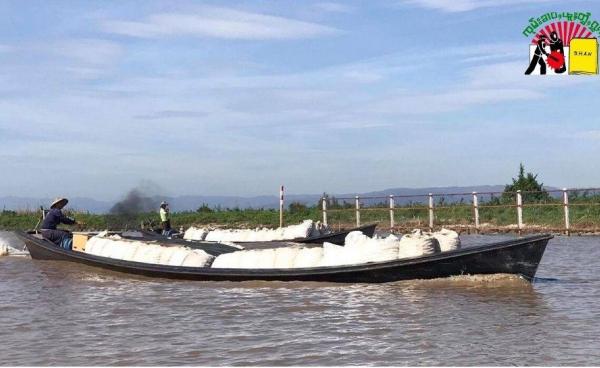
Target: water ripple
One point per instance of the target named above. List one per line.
(67, 314)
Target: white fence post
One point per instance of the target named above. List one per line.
(281, 206)
(476, 211)
(566, 205)
(430, 211)
(324, 204)
(391, 211)
(357, 204)
(519, 211)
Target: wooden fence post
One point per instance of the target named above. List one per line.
(476, 211)
(519, 211)
(324, 205)
(391, 212)
(430, 211)
(281, 206)
(566, 206)
(357, 204)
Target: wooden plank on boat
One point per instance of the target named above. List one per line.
(79, 241)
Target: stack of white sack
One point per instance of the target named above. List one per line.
(359, 248)
(304, 230)
(285, 257)
(448, 239)
(417, 244)
(136, 251)
(244, 235)
(194, 233)
(307, 228)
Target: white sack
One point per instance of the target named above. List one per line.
(149, 253)
(92, 245)
(381, 250)
(108, 248)
(448, 239)
(123, 250)
(197, 258)
(194, 233)
(333, 255)
(266, 258)
(303, 230)
(284, 257)
(227, 260)
(102, 234)
(177, 257)
(165, 255)
(219, 234)
(249, 259)
(417, 244)
(363, 249)
(142, 252)
(308, 257)
(259, 258)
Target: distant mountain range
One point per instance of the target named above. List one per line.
(192, 202)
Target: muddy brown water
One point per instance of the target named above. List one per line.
(58, 313)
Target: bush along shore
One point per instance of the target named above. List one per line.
(239, 218)
(546, 216)
(542, 211)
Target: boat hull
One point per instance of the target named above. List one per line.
(519, 257)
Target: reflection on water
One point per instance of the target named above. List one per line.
(64, 313)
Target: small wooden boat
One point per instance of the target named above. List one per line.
(519, 257)
(335, 237)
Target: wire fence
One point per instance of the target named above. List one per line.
(557, 210)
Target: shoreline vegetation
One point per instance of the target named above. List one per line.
(543, 211)
(538, 216)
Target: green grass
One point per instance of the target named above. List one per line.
(248, 218)
(584, 215)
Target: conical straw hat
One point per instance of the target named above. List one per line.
(59, 202)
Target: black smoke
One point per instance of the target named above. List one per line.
(135, 202)
(138, 205)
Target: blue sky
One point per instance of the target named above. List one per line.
(236, 98)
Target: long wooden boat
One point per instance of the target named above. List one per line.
(519, 257)
(335, 237)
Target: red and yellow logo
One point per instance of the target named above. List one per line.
(563, 47)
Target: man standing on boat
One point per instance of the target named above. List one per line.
(164, 218)
(53, 218)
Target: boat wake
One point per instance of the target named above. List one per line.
(11, 246)
(493, 280)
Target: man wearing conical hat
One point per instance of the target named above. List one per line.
(54, 218)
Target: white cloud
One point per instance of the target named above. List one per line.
(448, 101)
(219, 23)
(88, 51)
(593, 135)
(454, 6)
(333, 7)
